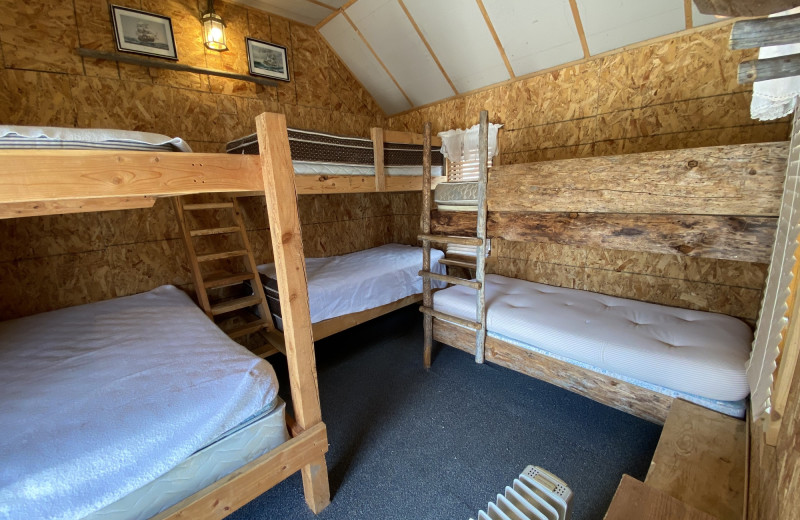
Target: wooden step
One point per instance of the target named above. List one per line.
(245, 328)
(700, 460)
(221, 256)
(445, 239)
(225, 279)
(474, 325)
(233, 305)
(213, 231)
(457, 263)
(207, 205)
(450, 279)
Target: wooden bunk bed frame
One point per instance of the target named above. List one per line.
(717, 202)
(44, 182)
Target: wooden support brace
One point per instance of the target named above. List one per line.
(377, 151)
(763, 32)
(769, 68)
(450, 279)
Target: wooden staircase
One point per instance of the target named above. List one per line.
(479, 242)
(226, 282)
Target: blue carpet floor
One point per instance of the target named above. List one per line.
(410, 443)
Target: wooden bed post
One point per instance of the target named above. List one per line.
(425, 224)
(287, 246)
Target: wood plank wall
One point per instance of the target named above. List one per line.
(52, 262)
(676, 93)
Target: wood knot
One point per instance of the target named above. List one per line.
(573, 215)
(287, 237)
(751, 171)
(685, 249)
(692, 164)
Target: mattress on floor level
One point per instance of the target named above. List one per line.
(266, 431)
(98, 400)
(55, 138)
(330, 154)
(699, 353)
(456, 196)
(340, 285)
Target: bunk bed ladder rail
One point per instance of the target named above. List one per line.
(222, 279)
(479, 242)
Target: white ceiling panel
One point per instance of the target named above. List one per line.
(610, 24)
(458, 35)
(535, 34)
(699, 18)
(356, 55)
(390, 33)
(297, 10)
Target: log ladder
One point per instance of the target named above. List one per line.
(479, 242)
(239, 278)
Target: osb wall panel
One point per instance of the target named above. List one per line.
(676, 93)
(52, 262)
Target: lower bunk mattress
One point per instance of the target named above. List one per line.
(699, 356)
(100, 400)
(355, 282)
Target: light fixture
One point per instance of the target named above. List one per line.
(213, 29)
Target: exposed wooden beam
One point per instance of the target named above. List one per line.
(762, 32)
(687, 13)
(377, 152)
(364, 39)
(333, 15)
(427, 45)
(744, 7)
(769, 68)
(745, 239)
(61, 207)
(496, 38)
(579, 25)
(396, 136)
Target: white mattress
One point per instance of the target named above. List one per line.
(699, 353)
(98, 400)
(202, 468)
(340, 285)
(86, 138)
(320, 168)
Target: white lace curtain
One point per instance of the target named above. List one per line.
(462, 145)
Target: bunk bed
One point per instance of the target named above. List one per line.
(36, 182)
(634, 356)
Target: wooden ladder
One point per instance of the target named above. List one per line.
(220, 310)
(479, 242)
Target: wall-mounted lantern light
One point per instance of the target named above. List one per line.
(213, 29)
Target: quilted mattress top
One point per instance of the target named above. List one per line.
(696, 352)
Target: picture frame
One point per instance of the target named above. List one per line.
(267, 59)
(144, 33)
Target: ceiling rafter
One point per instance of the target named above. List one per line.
(333, 15)
(321, 4)
(364, 39)
(573, 4)
(496, 38)
(687, 13)
(427, 45)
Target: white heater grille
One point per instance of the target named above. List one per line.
(536, 495)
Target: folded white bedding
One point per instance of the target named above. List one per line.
(99, 399)
(49, 136)
(700, 353)
(340, 285)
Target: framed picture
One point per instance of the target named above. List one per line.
(143, 33)
(267, 59)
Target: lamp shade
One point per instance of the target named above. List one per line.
(214, 32)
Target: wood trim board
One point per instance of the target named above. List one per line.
(325, 328)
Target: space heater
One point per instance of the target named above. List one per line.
(536, 495)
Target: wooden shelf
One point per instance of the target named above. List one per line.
(171, 65)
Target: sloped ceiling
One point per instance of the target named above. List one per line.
(409, 53)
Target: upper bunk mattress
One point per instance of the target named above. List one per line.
(100, 399)
(329, 154)
(55, 138)
(695, 352)
(355, 282)
(456, 196)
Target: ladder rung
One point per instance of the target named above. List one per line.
(474, 325)
(213, 231)
(233, 305)
(457, 263)
(444, 239)
(221, 256)
(226, 279)
(208, 205)
(246, 328)
(451, 279)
